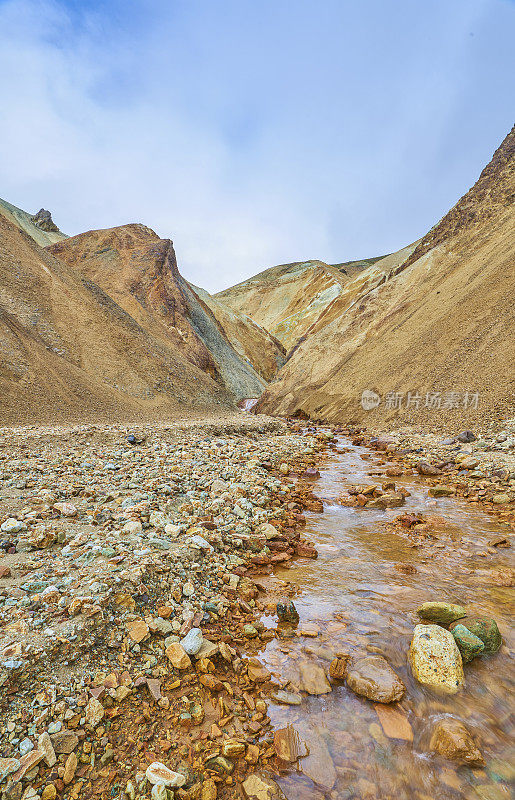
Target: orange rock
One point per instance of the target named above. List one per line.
(394, 722)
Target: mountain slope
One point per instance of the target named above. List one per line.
(138, 270)
(69, 353)
(441, 320)
(265, 353)
(287, 299)
(40, 226)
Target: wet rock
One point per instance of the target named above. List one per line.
(451, 739)
(288, 744)
(261, 787)
(160, 775)
(485, 628)
(318, 764)
(313, 678)
(435, 659)
(394, 722)
(338, 667)
(441, 613)
(387, 500)
(424, 468)
(469, 645)
(286, 698)
(372, 677)
(442, 491)
(287, 612)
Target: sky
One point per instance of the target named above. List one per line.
(253, 132)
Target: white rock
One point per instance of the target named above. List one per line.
(159, 775)
(133, 527)
(12, 525)
(435, 659)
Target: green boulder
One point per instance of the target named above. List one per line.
(441, 613)
(485, 628)
(469, 645)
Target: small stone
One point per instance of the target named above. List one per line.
(338, 667)
(192, 642)
(373, 677)
(435, 659)
(133, 527)
(287, 612)
(441, 491)
(49, 792)
(160, 775)
(188, 589)
(451, 739)
(441, 613)
(178, 656)
(208, 790)
(46, 747)
(286, 698)
(233, 748)
(64, 741)
(261, 787)
(137, 630)
(94, 712)
(70, 768)
(469, 645)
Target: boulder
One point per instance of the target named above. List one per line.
(451, 739)
(441, 613)
(485, 628)
(435, 659)
(469, 645)
(372, 677)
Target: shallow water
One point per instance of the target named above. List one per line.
(362, 602)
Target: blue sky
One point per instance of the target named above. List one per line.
(253, 132)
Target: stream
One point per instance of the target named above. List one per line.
(362, 593)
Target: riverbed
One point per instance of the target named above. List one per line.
(362, 594)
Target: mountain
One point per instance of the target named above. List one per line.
(439, 323)
(40, 226)
(138, 270)
(258, 347)
(69, 352)
(287, 299)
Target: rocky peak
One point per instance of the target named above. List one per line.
(43, 219)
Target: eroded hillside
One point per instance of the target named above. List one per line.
(70, 353)
(438, 325)
(139, 271)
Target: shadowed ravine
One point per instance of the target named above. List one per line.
(362, 601)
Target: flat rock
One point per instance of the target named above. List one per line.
(288, 745)
(394, 722)
(313, 678)
(372, 677)
(286, 698)
(261, 787)
(435, 659)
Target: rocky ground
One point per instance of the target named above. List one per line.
(478, 467)
(128, 607)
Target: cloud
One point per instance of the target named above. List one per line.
(250, 134)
